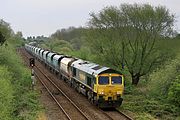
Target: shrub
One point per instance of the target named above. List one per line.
(6, 94)
(18, 101)
(161, 79)
(174, 92)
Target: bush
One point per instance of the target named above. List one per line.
(174, 92)
(18, 100)
(161, 79)
(6, 94)
(144, 116)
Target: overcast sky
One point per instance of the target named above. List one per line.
(44, 17)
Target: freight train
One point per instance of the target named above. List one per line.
(103, 86)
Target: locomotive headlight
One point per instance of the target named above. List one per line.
(118, 92)
(102, 92)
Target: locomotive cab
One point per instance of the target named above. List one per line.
(109, 87)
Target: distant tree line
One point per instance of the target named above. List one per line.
(73, 35)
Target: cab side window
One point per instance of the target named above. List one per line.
(74, 71)
(89, 80)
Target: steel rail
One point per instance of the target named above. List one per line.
(85, 116)
(54, 98)
(129, 118)
(50, 93)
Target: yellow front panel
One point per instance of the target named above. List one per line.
(109, 90)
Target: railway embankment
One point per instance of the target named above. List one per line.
(17, 99)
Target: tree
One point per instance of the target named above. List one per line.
(5, 31)
(127, 36)
(73, 35)
(19, 34)
(2, 39)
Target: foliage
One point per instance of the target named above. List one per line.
(140, 102)
(67, 34)
(144, 116)
(127, 35)
(84, 53)
(6, 94)
(156, 95)
(2, 39)
(57, 45)
(21, 102)
(73, 35)
(5, 31)
(38, 39)
(174, 92)
(162, 78)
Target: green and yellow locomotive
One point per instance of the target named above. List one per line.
(103, 86)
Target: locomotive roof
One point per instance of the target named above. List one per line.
(91, 68)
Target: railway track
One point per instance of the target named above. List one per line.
(115, 113)
(126, 116)
(56, 91)
(54, 98)
(68, 107)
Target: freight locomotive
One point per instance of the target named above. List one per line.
(103, 86)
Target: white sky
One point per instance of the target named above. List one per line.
(44, 17)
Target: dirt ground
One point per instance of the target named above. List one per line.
(50, 109)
